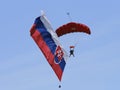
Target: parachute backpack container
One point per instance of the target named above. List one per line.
(46, 39)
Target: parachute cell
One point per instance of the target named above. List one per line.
(71, 28)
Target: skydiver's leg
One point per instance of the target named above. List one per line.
(73, 55)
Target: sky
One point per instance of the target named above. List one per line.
(96, 65)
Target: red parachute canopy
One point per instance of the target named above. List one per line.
(72, 27)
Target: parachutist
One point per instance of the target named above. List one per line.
(68, 13)
(71, 51)
(59, 86)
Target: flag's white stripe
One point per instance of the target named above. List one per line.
(52, 32)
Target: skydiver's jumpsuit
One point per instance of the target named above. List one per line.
(71, 52)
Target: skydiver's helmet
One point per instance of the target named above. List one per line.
(72, 47)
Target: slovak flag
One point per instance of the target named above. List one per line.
(47, 41)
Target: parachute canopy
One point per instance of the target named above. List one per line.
(72, 27)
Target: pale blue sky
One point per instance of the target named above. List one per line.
(96, 65)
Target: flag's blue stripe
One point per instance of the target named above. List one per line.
(62, 64)
(45, 35)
